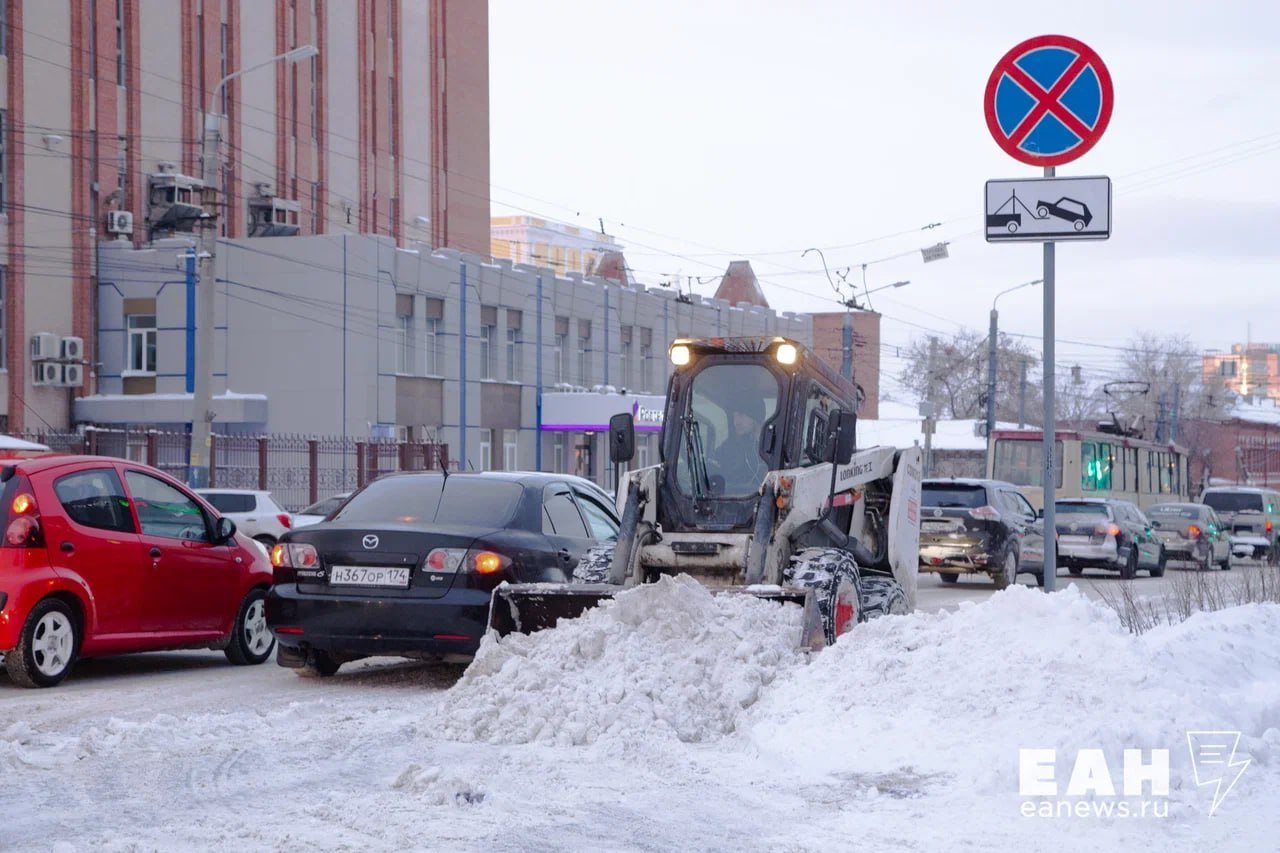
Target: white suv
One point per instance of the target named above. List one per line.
(255, 513)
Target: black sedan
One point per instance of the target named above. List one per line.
(406, 567)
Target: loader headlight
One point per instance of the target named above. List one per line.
(786, 354)
(680, 355)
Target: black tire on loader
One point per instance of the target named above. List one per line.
(832, 574)
(882, 596)
(949, 577)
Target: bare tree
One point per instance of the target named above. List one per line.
(958, 375)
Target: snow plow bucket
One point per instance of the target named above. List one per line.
(525, 608)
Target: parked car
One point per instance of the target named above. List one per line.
(319, 511)
(1192, 533)
(255, 513)
(406, 567)
(979, 527)
(1075, 212)
(102, 556)
(1252, 515)
(1107, 533)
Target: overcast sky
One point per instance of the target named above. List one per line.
(704, 131)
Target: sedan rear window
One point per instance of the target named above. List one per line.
(468, 499)
(947, 495)
(1064, 508)
(230, 501)
(1234, 501)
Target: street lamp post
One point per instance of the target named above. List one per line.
(991, 355)
(210, 157)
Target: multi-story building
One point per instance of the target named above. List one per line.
(384, 132)
(349, 334)
(863, 344)
(564, 248)
(1249, 370)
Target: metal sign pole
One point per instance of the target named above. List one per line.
(1049, 434)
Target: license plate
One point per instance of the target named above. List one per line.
(1067, 539)
(391, 576)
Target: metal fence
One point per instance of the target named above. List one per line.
(297, 470)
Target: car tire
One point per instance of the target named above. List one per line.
(319, 665)
(1008, 573)
(1225, 565)
(1076, 571)
(832, 574)
(1158, 570)
(1042, 212)
(949, 577)
(1040, 579)
(882, 596)
(1206, 564)
(1078, 225)
(251, 640)
(1129, 568)
(1012, 227)
(46, 647)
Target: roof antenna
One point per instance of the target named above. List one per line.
(444, 469)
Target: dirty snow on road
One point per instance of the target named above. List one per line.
(667, 720)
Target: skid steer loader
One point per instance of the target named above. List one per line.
(760, 490)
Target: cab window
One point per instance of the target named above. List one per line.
(818, 409)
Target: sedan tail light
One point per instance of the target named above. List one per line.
(1193, 532)
(986, 513)
(294, 555)
(285, 519)
(22, 526)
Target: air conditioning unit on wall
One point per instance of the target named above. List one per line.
(72, 375)
(47, 373)
(45, 345)
(119, 222)
(72, 348)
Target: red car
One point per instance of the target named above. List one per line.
(101, 556)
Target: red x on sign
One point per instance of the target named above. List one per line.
(1048, 100)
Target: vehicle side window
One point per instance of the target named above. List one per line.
(603, 527)
(1020, 504)
(95, 498)
(817, 414)
(165, 511)
(225, 502)
(561, 514)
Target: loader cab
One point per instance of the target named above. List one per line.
(736, 410)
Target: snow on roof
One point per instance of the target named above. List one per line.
(8, 442)
(1264, 412)
(900, 425)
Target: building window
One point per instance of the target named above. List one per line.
(513, 348)
(4, 28)
(431, 347)
(407, 350)
(1227, 368)
(562, 343)
(558, 454)
(120, 79)
(646, 367)
(510, 451)
(142, 343)
(486, 352)
(486, 450)
(584, 353)
(626, 359)
(4, 156)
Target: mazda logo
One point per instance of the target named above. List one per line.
(369, 542)
(937, 513)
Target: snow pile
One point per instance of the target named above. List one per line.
(952, 697)
(664, 659)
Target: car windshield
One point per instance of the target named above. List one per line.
(1190, 513)
(230, 501)
(720, 442)
(946, 496)
(417, 500)
(1069, 508)
(1234, 501)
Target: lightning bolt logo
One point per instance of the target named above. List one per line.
(1213, 760)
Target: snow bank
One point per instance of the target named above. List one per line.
(665, 659)
(952, 697)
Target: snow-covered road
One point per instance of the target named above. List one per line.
(677, 722)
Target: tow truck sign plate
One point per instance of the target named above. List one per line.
(1044, 209)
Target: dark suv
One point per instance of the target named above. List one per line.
(979, 527)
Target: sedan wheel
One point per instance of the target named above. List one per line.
(1130, 567)
(251, 642)
(46, 648)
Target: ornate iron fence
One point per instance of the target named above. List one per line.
(297, 470)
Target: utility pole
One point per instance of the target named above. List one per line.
(210, 158)
(991, 374)
(929, 409)
(1022, 395)
(846, 346)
